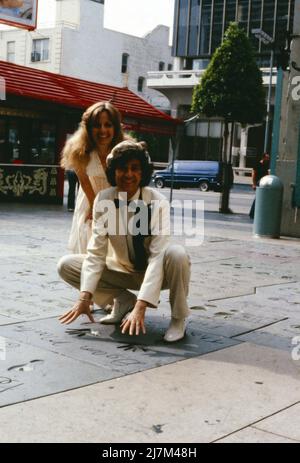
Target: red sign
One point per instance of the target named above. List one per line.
(19, 13)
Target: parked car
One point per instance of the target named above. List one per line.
(206, 175)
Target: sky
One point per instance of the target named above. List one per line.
(138, 16)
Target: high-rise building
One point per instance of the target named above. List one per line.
(199, 26)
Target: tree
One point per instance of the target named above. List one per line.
(231, 88)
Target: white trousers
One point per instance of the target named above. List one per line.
(112, 283)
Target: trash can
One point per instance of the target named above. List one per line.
(268, 207)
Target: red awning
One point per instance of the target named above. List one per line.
(39, 85)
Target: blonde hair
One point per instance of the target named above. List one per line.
(76, 152)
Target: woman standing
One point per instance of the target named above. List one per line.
(85, 152)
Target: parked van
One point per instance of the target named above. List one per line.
(206, 175)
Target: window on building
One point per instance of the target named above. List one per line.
(217, 32)
(269, 13)
(10, 52)
(199, 64)
(243, 13)
(188, 63)
(255, 20)
(125, 58)
(203, 140)
(230, 12)
(205, 27)
(141, 81)
(170, 67)
(182, 27)
(282, 22)
(43, 141)
(40, 50)
(194, 27)
(161, 66)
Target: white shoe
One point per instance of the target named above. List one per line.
(176, 330)
(122, 305)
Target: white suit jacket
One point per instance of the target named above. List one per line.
(98, 255)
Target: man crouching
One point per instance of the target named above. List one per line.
(129, 249)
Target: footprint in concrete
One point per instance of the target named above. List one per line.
(223, 314)
(25, 367)
(212, 423)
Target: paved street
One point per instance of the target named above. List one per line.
(241, 197)
(234, 378)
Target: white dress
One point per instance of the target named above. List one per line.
(81, 230)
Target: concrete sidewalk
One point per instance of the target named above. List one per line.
(234, 378)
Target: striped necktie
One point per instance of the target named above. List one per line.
(141, 258)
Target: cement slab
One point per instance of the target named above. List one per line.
(7, 320)
(252, 435)
(285, 423)
(107, 347)
(28, 372)
(279, 335)
(32, 304)
(270, 317)
(282, 300)
(228, 278)
(232, 322)
(210, 396)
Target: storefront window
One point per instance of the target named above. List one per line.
(15, 146)
(27, 141)
(42, 149)
(2, 141)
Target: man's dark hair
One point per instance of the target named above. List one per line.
(120, 162)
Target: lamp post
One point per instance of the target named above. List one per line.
(267, 39)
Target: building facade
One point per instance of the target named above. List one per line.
(78, 45)
(199, 27)
(38, 112)
(286, 137)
